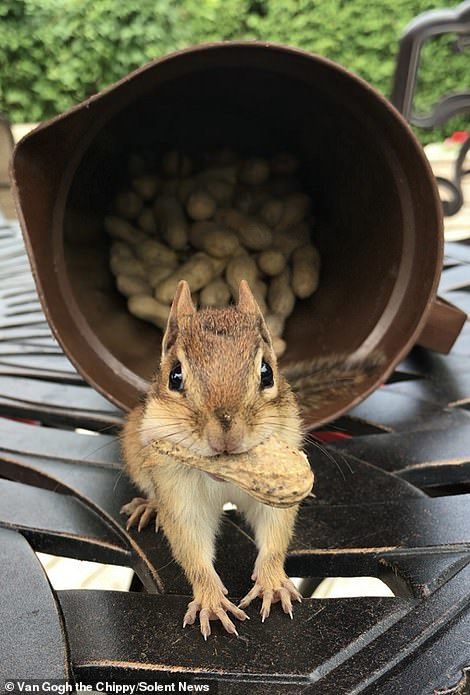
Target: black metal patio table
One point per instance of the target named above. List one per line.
(391, 500)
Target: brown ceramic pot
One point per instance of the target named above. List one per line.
(379, 215)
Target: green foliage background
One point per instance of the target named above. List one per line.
(54, 53)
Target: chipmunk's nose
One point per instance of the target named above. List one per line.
(225, 432)
(225, 419)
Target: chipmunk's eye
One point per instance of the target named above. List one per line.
(267, 378)
(175, 381)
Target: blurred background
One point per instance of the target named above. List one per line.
(55, 53)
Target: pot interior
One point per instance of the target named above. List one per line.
(366, 220)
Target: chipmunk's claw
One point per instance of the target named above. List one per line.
(140, 511)
(283, 591)
(213, 610)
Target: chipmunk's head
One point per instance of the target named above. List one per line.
(218, 389)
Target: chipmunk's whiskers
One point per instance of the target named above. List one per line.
(99, 448)
(160, 433)
(309, 437)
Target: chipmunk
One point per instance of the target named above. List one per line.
(219, 390)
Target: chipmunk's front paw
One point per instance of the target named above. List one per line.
(142, 511)
(213, 605)
(271, 588)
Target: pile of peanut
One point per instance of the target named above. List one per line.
(226, 220)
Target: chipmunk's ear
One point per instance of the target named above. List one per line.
(181, 307)
(247, 304)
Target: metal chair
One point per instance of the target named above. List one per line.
(419, 30)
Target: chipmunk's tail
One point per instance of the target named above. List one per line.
(317, 381)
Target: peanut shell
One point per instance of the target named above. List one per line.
(272, 472)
